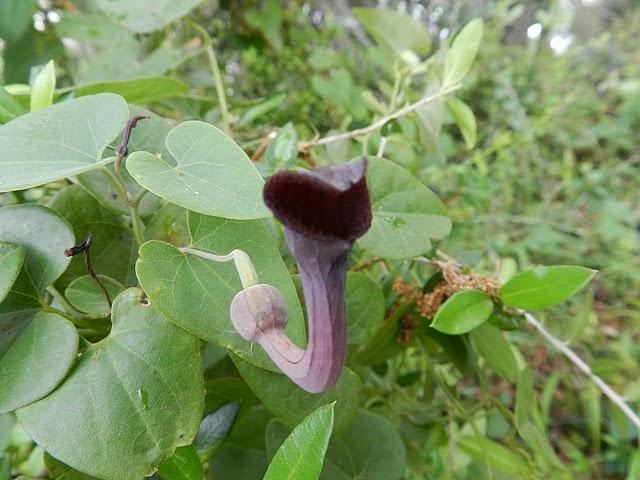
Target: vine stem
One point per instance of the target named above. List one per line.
(378, 124)
(217, 78)
(582, 366)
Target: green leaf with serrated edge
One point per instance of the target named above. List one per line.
(85, 295)
(462, 52)
(143, 16)
(406, 214)
(543, 287)
(212, 175)
(302, 454)
(291, 404)
(214, 428)
(464, 118)
(137, 90)
(243, 455)
(484, 450)
(135, 397)
(11, 258)
(394, 31)
(183, 465)
(65, 139)
(370, 448)
(463, 312)
(113, 249)
(37, 360)
(496, 351)
(172, 280)
(43, 87)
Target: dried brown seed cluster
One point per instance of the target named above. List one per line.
(453, 281)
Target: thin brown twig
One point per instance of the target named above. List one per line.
(378, 124)
(264, 145)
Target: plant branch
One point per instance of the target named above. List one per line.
(582, 366)
(378, 124)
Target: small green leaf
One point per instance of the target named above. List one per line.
(214, 428)
(496, 351)
(462, 52)
(484, 450)
(37, 360)
(465, 119)
(183, 465)
(463, 312)
(9, 107)
(543, 287)
(261, 109)
(11, 258)
(144, 16)
(85, 294)
(291, 404)
(132, 398)
(43, 87)
(137, 90)
(282, 152)
(302, 454)
(406, 214)
(65, 139)
(393, 31)
(268, 21)
(212, 175)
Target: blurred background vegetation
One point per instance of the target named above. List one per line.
(550, 177)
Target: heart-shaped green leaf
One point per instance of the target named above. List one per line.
(406, 214)
(37, 360)
(543, 287)
(131, 399)
(11, 258)
(291, 404)
(195, 293)
(66, 139)
(145, 16)
(211, 174)
(85, 294)
(302, 453)
(463, 312)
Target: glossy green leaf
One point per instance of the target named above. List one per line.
(462, 52)
(145, 16)
(212, 175)
(463, 312)
(66, 139)
(9, 107)
(37, 360)
(214, 428)
(370, 448)
(465, 119)
(183, 465)
(291, 404)
(406, 214)
(394, 31)
(543, 287)
(301, 455)
(137, 90)
(11, 258)
(85, 295)
(43, 87)
(365, 307)
(132, 398)
(243, 455)
(173, 280)
(496, 351)
(15, 18)
(113, 248)
(483, 450)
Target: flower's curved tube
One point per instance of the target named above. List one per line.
(323, 211)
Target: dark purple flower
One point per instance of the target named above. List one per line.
(323, 211)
